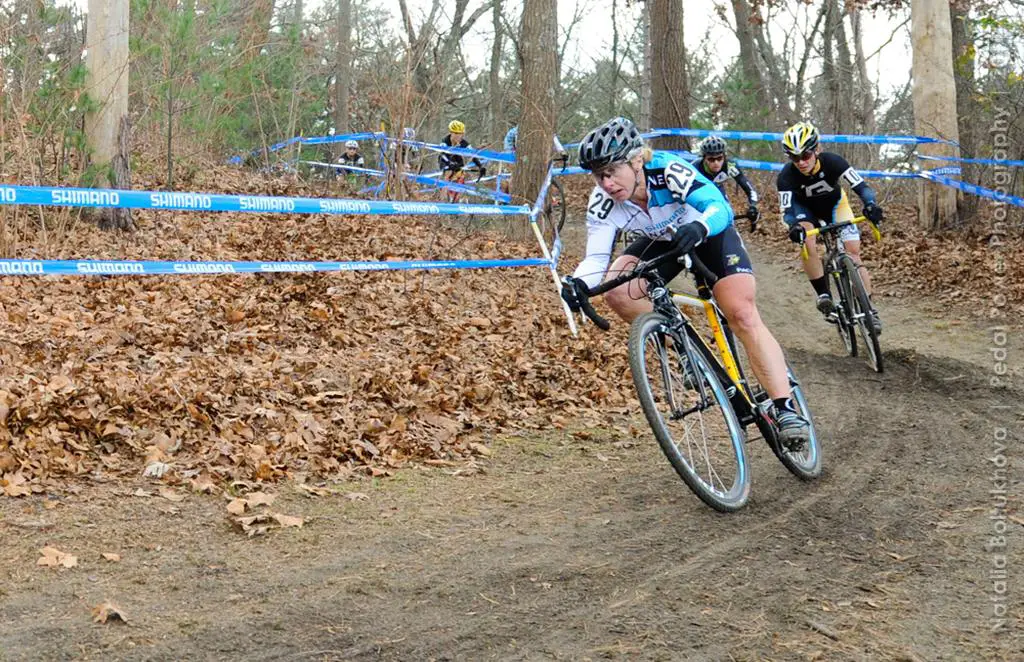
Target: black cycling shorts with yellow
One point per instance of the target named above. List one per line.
(840, 212)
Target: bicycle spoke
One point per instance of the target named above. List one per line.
(690, 414)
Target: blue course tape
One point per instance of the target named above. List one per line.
(343, 166)
(455, 186)
(322, 140)
(141, 267)
(485, 154)
(164, 200)
(828, 138)
(973, 189)
(957, 159)
(312, 140)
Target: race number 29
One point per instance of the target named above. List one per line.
(678, 179)
(601, 206)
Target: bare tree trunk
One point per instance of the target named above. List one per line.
(776, 77)
(748, 56)
(645, 70)
(798, 102)
(865, 111)
(495, 124)
(845, 71)
(831, 71)
(539, 40)
(342, 72)
(612, 94)
(32, 68)
(967, 107)
(934, 93)
(106, 128)
(669, 90)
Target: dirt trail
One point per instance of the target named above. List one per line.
(582, 547)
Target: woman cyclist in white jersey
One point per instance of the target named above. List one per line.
(640, 190)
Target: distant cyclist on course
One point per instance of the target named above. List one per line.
(452, 164)
(811, 193)
(714, 165)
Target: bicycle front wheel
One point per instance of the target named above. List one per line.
(689, 412)
(554, 212)
(861, 306)
(844, 310)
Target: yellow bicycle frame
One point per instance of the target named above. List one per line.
(728, 361)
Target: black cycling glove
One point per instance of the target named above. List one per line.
(689, 236)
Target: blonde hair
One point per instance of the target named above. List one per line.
(644, 152)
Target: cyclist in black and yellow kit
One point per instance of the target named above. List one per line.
(811, 193)
(452, 164)
(715, 166)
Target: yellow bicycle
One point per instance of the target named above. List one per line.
(693, 390)
(853, 307)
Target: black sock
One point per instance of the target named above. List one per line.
(784, 403)
(820, 285)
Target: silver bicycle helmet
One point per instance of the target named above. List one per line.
(612, 142)
(711, 146)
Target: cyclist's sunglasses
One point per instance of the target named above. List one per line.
(803, 156)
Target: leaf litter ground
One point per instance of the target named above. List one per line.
(255, 377)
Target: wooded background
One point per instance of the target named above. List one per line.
(206, 79)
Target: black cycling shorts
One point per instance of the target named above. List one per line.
(723, 255)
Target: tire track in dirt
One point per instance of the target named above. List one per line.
(749, 528)
(842, 491)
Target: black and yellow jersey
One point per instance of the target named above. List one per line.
(819, 194)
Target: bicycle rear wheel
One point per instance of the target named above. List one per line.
(689, 412)
(862, 314)
(845, 324)
(805, 464)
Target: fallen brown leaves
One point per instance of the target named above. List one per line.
(215, 379)
(108, 612)
(259, 523)
(53, 558)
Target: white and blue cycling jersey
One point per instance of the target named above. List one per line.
(677, 193)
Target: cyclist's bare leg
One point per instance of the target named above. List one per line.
(853, 248)
(736, 295)
(628, 300)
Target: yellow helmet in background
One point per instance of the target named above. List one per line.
(455, 126)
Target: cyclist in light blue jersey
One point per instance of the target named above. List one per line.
(652, 192)
(513, 135)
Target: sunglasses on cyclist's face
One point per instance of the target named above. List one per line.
(800, 158)
(715, 159)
